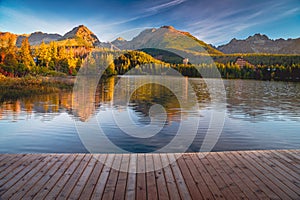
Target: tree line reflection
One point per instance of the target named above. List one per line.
(248, 100)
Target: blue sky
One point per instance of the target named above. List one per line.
(214, 21)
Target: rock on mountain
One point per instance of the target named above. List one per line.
(119, 42)
(36, 38)
(167, 38)
(33, 38)
(81, 34)
(259, 43)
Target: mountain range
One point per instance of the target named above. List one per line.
(259, 43)
(166, 38)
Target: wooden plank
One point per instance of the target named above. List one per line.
(99, 188)
(92, 181)
(70, 184)
(110, 187)
(122, 179)
(279, 177)
(170, 180)
(53, 179)
(141, 187)
(263, 159)
(263, 177)
(294, 157)
(7, 163)
(277, 163)
(234, 177)
(26, 174)
(284, 160)
(55, 190)
(162, 189)
(200, 182)
(247, 176)
(293, 154)
(39, 185)
(204, 176)
(131, 181)
(13, 166)
(282, 183)
(296, 151)
(19, 171)
(6, 156)
(150, 177)
(290, 158)
(76, 191)
(243, 175)
(190, 182)
(31, 181)
(235, 191)
(181, 185)
(223, 187)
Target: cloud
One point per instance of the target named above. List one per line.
(224, 24)
(165, 5)
(212, 21)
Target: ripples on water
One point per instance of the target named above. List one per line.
(259, 115)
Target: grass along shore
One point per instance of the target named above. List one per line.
(15, 88)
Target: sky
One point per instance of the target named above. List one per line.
(213, 21)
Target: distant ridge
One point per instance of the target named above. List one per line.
(37, 37)
(260, 43)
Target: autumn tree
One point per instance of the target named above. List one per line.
(25, 56)
(43, 55)
(8, 56)
(53, 53)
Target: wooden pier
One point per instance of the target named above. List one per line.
(271, 174)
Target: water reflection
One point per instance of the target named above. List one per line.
(258, 101)
(150, 94)
(246, 100)
(257, 112)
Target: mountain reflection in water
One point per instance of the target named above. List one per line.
(260, 115)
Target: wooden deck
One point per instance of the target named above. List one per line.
(222, 175)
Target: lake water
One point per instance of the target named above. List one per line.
(257, 115)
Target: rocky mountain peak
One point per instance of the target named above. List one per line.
(257, 36)
(82, 32)
(167, 37)
(120, 39)
(168, 27)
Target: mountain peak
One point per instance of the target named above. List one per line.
(167, 37)
(81, 32)
(120, 39)
(77, 30)
(258, 36)
(168, 27)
